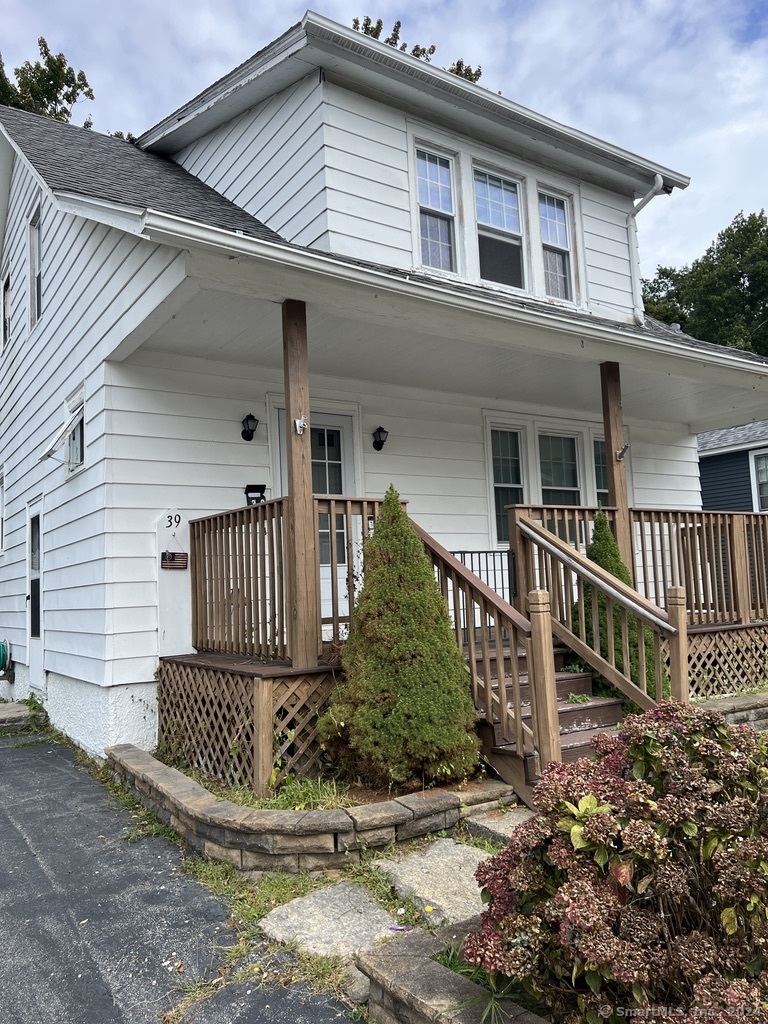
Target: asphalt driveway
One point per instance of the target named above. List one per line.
(94, 929)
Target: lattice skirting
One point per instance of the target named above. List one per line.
(209, 719)
(729, 661)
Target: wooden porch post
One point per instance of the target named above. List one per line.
(678, 645)
(543, 681)
(302, 569)
(613, 426)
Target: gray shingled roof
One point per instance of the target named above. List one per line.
(72, 159)
(734, 437)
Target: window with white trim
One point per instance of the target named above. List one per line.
(493, 218)
(760, 479)
(507, 464)
(70, 440)
(559, 465)
(499, 229)
(436, 210)
(6, 335)
(35, 268)
(553, 224)
(601, 471)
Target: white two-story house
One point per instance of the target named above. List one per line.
(333, 238)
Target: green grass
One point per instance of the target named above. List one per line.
(294, 794)
(498, 990)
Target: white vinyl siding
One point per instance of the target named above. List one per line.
(118, 279)
(270, 162)
(607, 252)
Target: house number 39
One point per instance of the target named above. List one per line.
(172, 521)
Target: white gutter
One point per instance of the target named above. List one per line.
(637, 289)
(187, 234)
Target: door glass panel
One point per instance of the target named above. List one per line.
(761, 472)
(601, 472)
(327, 474)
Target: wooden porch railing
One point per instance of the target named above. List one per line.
(238, 581)
(343, 525)
(719, 558)
(489, 631)
(582, 594)
(239, 595)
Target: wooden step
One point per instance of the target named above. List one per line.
(573, 745)
(562, 656)
(599, 713)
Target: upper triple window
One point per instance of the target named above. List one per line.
(436, 211)
(512, 229)
(35, 269)
(499, 234)
(554, 239)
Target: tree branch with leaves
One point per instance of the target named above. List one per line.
(374, 29)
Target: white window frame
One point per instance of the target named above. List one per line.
(548, 193)
(753, 456)
(35, 258)
(437, 150)
(466, 156)
(489, 230)
(74, 422)
(2, 508)
(5, 338)
(530, 427)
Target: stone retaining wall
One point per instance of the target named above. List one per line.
(257, 841)
(749, 709)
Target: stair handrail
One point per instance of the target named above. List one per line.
(483, 621)
(564, 572)
(598, 576)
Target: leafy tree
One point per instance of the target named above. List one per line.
(721, 297)
(403, 710)
(50, 86)
(374, 29)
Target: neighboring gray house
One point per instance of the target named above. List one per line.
(733, 467)
(468, 269)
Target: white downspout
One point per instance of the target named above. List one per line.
(637, 291)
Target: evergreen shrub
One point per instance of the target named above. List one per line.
(403, 710)
(640, 889)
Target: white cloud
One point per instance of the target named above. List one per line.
(683, 83)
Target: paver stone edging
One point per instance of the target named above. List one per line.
(409, 987)
(255, 841)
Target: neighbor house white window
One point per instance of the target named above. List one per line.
(760, 481)
(436, 210)
(35, 268)
(553, 224)
(499, 229)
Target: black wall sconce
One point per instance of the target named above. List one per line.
(254, 493)
(250, 423)
(380, 435)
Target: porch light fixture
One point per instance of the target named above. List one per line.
(380, 435)
(254, 494)
(621, 453)
(250, 423)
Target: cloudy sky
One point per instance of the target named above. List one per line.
(684, 82)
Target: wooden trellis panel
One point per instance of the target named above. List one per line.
(208, 718)
(726, 662)
(297, 702)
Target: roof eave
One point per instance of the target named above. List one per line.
(321, 43)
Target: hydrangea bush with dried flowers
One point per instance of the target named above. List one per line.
(640, 889)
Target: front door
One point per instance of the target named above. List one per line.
(34, 595)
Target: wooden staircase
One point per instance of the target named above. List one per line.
(580, 720)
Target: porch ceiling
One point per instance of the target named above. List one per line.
(461, 354)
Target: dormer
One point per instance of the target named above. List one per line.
(341, 143)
